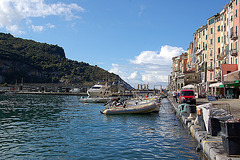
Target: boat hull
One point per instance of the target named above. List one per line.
(130, 109)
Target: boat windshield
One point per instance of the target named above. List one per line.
(96, 87)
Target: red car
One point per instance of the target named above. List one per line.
(187, 96)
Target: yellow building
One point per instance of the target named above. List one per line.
(217, 48)
(213, 45)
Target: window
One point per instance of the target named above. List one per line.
(211, 21)
(203, 46)
(211, 41)
(231, 60)
(218, 39)
(236, 13)
(187, 93)
(236, 60)
(211, 30)
(210, 76)
(218, 28)
(211, 65)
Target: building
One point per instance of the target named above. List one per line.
(212, 59)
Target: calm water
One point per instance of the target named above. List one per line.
(59, 127)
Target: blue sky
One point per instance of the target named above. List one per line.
(132, 38)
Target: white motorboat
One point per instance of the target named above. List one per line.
(99, 90)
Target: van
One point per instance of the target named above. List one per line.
(187, 96)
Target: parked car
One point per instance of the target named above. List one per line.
(187, 96)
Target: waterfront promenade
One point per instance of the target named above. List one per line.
(211, 146)
(234, 105)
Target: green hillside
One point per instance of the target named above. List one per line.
(43, 63)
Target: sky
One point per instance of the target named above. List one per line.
(135, 39)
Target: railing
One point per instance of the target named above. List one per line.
(199, 51)
(218, 66)
(234, 36)
(234, 52)
(210, 68)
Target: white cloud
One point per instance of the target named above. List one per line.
(49, 25)
(141, 10)
(13, 12)
(164, 56)
(149, 67)
(41, 28)
(37, 28)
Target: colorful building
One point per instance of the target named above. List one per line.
(212, 59)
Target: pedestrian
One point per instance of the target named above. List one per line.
(174, 96)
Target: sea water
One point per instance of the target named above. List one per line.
(60, 127)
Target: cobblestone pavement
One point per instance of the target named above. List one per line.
(231, 105)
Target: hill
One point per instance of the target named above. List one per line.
(43, 63)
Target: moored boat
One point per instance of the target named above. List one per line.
(124, 108)
(99, 90)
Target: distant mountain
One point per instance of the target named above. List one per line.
(43, 63)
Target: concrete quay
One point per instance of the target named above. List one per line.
(211, 146)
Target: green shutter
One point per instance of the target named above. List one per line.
(211, 21)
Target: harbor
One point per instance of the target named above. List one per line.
(60, 127)
(211, 142)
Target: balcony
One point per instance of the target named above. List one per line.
(218, 76)
(218, 66)
(221, 56)
(234, 36)
(199, 51)
(210, 68)
(234, 52)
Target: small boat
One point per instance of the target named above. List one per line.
(156, 100)
(124, 108)
(94, 100)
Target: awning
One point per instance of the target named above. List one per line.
(190, 86)
(235, 84)
(221, 86)
(216, 84)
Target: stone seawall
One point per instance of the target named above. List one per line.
(211, 146)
